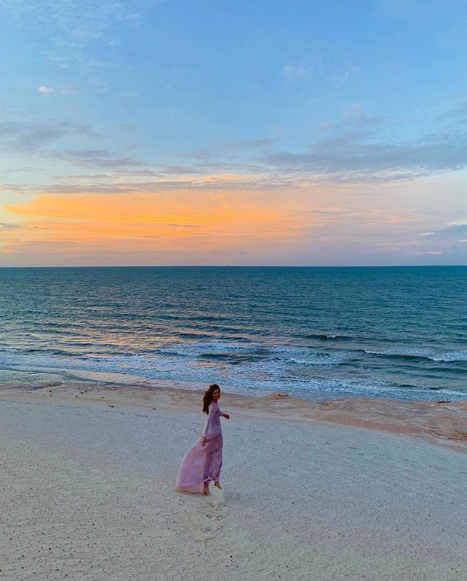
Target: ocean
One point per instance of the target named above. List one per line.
(316, 333)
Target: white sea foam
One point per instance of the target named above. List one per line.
(425, 353)
(451, 356)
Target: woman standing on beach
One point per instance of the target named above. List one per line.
(203, 462)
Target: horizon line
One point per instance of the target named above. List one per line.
(242, 266)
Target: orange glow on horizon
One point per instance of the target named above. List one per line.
(176, 220)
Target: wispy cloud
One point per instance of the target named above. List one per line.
(8, 227)
(4, 187)
(298, 70)
(450, 231)
(252, 143)
(174, 221)
(345, 75)
(69, 89)
(99, 158)
(130, 94)
(355, 157)
(32, 136)
(351, 149)
(81, 20)
(457, 112)
(71, 25)
(220, 182)
(46, 91)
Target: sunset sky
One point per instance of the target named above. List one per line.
(240, 132)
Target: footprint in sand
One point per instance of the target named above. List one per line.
(216, 498)
(213, 511)
(205, 522)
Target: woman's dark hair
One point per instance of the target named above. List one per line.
(207, 396)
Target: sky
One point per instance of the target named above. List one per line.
(215, 132)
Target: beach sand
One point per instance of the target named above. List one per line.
(346, 490)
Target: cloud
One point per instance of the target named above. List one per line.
(142, 222)
(449, 239)
(100, 158)
(298, 70)
(427, 252)
(348, 150)
(30, 136)
(343, 76)
(8, 227)
(69, 89)
(215, 182)
(457, 113)
(119, 172)
(353, 112)
(11, 188)
(354, 123)
(252, 143)
(355, 157)
(360, 224)
(46, 91)
(201, 155)
(71, 25)
(453, 231)
(81, 20)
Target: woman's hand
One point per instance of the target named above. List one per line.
(226, 416)
(203, 442)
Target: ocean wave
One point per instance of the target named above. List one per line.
(234, 363)
(200, 348)
(185, 335)
(451, 356)
(421, 354)
(233, 358)
(241, 366)
(238, 352)
(327, 337)
(321, 359)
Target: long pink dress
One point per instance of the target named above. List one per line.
(200, 465)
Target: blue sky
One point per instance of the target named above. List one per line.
(338, 129)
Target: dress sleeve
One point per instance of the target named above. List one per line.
(213, 411)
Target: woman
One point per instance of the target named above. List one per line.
(203, 462)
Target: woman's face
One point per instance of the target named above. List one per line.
(216, 394)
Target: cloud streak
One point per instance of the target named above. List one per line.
(8, 227)
(351, 150)
(219, 182)
(80, 20)
(353, 159)
(99, 158)
(33, 137)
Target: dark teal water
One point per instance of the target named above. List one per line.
(318, 333)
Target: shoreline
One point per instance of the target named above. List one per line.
(443, 423)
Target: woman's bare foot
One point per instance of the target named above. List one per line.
(217, 485)
(206, 489)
